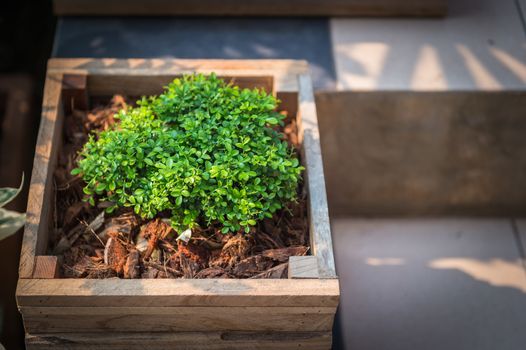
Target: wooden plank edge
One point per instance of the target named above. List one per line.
(46, 266)
(170, 310)
(283, 71)
(303, 267)
(75, 92)
(171, 65)
(177, 319)
(320, 231)
(178, 292)
(35, 239)
(186, 340)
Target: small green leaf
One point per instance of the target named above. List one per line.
(272, 121)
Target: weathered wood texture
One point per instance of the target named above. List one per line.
(153, 74)
(74, 92)
(320, 229)
(46, 266)
(424, 153)
(177, 292)
(41, 187)
(303, 267)
(372, 8)
(181, 340)
(275, 309)
(177, 319)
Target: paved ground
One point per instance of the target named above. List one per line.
(230, 38)
(480, 45)
(430, 284)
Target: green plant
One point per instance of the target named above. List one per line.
(10, 221)
(205, 151)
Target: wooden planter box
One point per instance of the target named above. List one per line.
(174, 313)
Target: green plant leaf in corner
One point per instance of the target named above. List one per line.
(7, 194)
(10, 222)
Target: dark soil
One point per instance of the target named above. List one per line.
(92, 244)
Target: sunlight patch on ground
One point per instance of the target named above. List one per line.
(480, 74)
(428, 70)
(496, 272)
(364, 63)
(384, 261)
(513, 64)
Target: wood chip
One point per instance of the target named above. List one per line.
(96, 223)
(279, 271)
(212, 272)
(73, 212)
(115, 255)
(282, 254)
(62, 245)
(131, 267)
(153, 231)
(251, 265)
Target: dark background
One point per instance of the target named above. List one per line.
(26, 37)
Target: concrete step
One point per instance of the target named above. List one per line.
(480, 45)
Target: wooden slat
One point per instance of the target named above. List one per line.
(373, 8)
(176, 319)
(177, 292)
(46, 267)
(141, 85)
(181, 340)
(288, 102)
(284, 72)
(167, 65)
(320, 230)
(74, 92)
(38, 207)
(303, 267)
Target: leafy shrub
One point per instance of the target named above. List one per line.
(204, 150)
